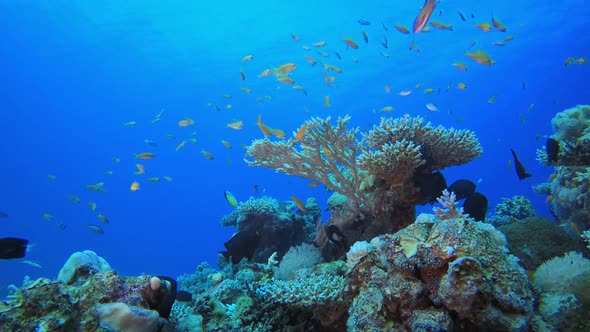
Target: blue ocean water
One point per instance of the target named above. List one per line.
(72, 73)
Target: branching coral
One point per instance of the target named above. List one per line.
(449, 208)
(325, 154)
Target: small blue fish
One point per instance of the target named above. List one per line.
(150, 143)
(364, 22)
(96, 229)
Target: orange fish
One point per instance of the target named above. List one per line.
(134, 186)
(327, 101)
(310, 59)
(287, 68)
(299, 203)
(300, 133)
(265, 73)
(246, 90)
(237, 124)
(402, 29)
(186, 122)
(351, 43)
(460, 66)
(145, 155)
(424, 15)
(264, 128)
(313, 184)
(247, 58)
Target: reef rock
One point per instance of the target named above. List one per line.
(457, 273)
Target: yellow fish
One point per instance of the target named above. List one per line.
(300, 133)
(460, 66)
(181, 145)
(226, 144)
(387, 109)
(134, 186)
(74, 199)
(480, 57)
(92, 206)
(230, 199)
(264, 128)
(236, 124)
(207, 154)
(103, 218)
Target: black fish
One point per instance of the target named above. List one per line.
(476, 205)
(552, 149)
(520, 171)
(384, 42)
(431, 186)
(384, 27)
(165, 306)
(338, 55)
(241, 245)
(461, 16)
(334, 234)
(462, 188)
(12, 247)
(184, 296)
(364, 22)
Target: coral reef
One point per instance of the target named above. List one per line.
(455, 271)
(569, 192)
(564, 285)
(511, 210)
(277, 227)
(534, 240)
(94, 298)
(571, 129)
(384, 175)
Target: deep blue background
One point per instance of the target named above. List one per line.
(72, 73)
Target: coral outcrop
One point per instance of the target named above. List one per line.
(453, 274)
(89, 296)
(383, 175)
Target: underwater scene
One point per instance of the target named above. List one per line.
(190, 165)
